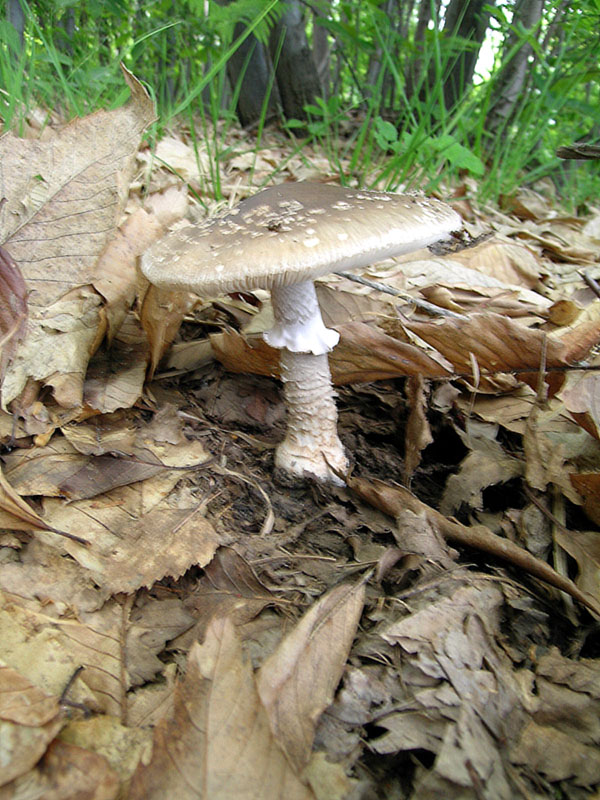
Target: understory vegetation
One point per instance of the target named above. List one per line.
(402, 95)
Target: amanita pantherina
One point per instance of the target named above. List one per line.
(281, 239)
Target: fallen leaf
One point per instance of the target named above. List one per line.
(418, 433)
(13, 307)
(161, 316)
(64, 197)
(66, 772)
(103, 453)
(298, 681)
(218, 743)
(15, 514)
(229, 587)
(115, 378)
(363, 354)
(131, 548)
(23, 703)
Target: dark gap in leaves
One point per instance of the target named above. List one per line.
(502, 495)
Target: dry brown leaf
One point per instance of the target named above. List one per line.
(449, 640)
(153, 622)
(63, 201)
(298, 681)
(15, 514)
(48, 651)
(29, 720)
(169, 206)
(130, 546)
(228, 588)
(218, 743)
(513, 264)
(418, 433)
(587, 485)
(190, 164)
(67, 772)
(43, 574)
(496, 343)
(395, 500)
(23, 703)
(488, 464)
(161, 316)
(363, 354)
(115, 378)
(13, 307)
(546, 456)
(557, 755)
(116, 271)
(581, 397)
(584, 547)
(103, 453)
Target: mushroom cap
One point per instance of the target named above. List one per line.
(295, 232)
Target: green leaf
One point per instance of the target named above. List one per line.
(457, 154)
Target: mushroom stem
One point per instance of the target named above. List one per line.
(298, 324)
(312, 419)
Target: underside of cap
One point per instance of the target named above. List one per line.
(295, 232)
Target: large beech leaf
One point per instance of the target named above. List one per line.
(64, 197)
(218, 745)
(297, 682)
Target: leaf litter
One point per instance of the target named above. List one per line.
(198, 629)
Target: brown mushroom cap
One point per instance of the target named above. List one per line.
(295, 232)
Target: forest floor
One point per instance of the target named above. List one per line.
(178, 621)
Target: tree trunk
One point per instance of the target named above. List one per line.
(297, 77)
(468, 21)
(527, 16)
(16, 16)
(251, 65)
(321, 52)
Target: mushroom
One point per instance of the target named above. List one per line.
(281, 239)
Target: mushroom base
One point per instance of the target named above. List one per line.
(311, 439)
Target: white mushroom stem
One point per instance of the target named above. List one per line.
(300, 333)
(312, 419)
(299, 326)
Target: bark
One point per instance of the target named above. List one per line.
(297, 77)
(467, 21)
(513, 76)
(251, 65)
(16, 16)
(321, 52)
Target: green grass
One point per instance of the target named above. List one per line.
(398, 138)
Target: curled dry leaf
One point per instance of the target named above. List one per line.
(584, 547)
(161, 316)
(218, 743)
(13, 307)
(298, 681)
(393, 500)
(581, 396)
(115, 378)
(497, 344)
(363, 354)
(15, 513)
(418, 433)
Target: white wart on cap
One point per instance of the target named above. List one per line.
(281, 239)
